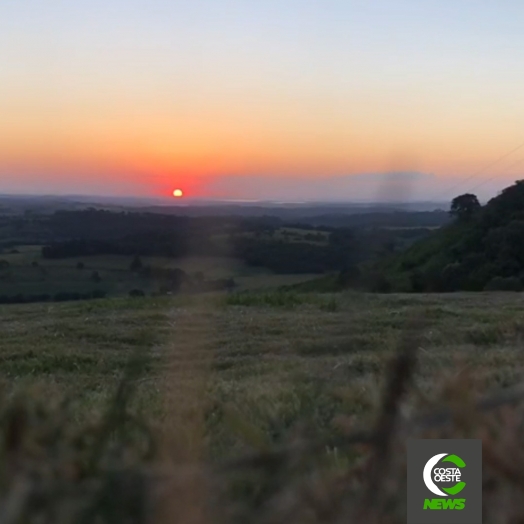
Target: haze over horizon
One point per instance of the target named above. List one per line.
(305, 100)
(366, 188)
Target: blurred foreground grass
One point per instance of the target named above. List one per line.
(138, 410)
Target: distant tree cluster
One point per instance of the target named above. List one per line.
(278, 255)
(339, 253)
(170, 244)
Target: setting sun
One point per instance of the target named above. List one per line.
(178, 193)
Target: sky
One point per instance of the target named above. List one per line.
(274, 99)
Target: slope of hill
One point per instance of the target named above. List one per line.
(484, 250)
(254, 407)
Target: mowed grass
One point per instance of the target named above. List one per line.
(280, 363)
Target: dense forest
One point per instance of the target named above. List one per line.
(481, 249)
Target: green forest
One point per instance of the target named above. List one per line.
(481, 249)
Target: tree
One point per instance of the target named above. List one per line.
(80, 265)
(464, 206)
(95, 277)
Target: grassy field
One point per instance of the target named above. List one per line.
(263, 347)
(222, 377)
(28, 273)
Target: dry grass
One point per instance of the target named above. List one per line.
(223, 410)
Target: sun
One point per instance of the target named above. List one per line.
(178, 193)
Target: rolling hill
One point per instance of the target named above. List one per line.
(483, 250)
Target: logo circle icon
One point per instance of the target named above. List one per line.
(430, 484)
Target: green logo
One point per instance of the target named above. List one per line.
(451, 487)
(434, 475)
(444, 503)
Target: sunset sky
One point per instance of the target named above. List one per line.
(252, 99)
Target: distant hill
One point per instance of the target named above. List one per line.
(483, 250)
(18, 204)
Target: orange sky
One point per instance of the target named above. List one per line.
(138, 102)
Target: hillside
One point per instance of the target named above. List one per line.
(131, 407)
(483, 250)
